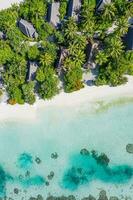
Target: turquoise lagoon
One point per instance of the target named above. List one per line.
(65, 131)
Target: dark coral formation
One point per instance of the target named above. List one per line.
(86, 167)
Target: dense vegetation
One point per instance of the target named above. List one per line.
(16, 51)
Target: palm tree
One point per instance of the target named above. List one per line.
(122, 26)
(80, 41)
(79, 57)
(101, 58)
(46, 59)
(72, 48)
(88, 23)
(114, 47)
(109, 12)
(68, 63)
(71, 29)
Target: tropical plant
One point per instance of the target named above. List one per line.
(122, 26)
(101, 58)
(109, 12)
(114, 47)
(70, 29)
(46, 59)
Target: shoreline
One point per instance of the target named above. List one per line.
(89, 94)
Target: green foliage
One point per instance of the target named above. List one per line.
(70, 29)
(6, 53)
(59, 37)
(33, 10)
(15, 72)
(101, 58)
(28, 92)
(127, 62)
(73, 79)
(16, 38)
(49, 48)
(63, 8)
(8, 18)
(114, 47)
(122, 26)
(15, 94)
(1, 92)
(33, 53)
(111, 74)
(48, 82)
(88, 24)
(109, 12)
(41, 74)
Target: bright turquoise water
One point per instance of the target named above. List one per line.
(66, 131)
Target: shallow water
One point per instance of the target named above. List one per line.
(65, 131)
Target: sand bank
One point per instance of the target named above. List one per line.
(7, 3)
(89, 94)
(92, 94)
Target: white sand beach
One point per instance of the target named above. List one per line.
(89, 94)
(7, 3)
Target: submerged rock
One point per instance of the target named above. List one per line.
(39, 197)
(32, 198)
(102, 195)
(113, 198)
(51, 175)
(51, 198)
(90, 197)
(84, 152)
(47, 183)
(38, 160)
(20, 177)
(103, 159)
(129, 148)
(16, 190)
(70, 197)
(27, 174)
(54, 155)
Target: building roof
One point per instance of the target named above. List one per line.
(101, 3)
(53, 13)
(27, 28)
(2, 35)
(130, 20)
(32, 68)
(74, 8)
(128, 39)
(63, 53)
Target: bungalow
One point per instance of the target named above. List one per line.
(2, 35)
(90, 55)
(27, 28)
(101, 3)
(128, 39)
(130, 20)
(63, 53)
(74, 7)
(32, 68)
(53, 13)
